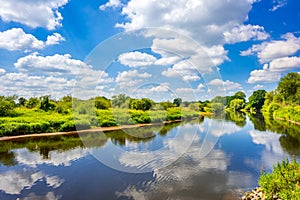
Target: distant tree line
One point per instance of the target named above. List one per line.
(287, 93)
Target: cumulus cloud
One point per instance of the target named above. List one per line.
(245, 33)
(53, 65)
(27, 86)
(130, 78)
(111, 4)
(210, 18)
(55, 75)
(136, 59)
(16, 39)
(268, 51)
(227, 85)
(264, 75)
(164, 87)
(277, 57)
(2, 71)
(33, 13)
(54, 39)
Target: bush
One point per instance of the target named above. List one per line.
(284, 181)
(108, 123)
(68, 126)
(272, 107)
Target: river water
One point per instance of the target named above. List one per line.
(199, 159)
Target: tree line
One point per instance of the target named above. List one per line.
(287, 93)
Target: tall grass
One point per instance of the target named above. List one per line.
(37, 121)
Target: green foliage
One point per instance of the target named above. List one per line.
(289, 86)
(240, 95)
(238, 117)
(64, 105)
(21, 101)
(219, 99)
(284, 181)
(102, 103)
(120, 101)
(237, 104)
(166, 104)
(141, 104)
(32, 102)
(257, 100)
(195, 106)
(177, 102)
(45, 103)
(7, 106)
(217, 108)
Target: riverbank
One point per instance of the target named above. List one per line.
(287, 120)
(96, 129)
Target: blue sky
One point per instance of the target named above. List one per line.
(194, 49)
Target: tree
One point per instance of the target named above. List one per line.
(32, 102)
(120, 100)
(166, 104)
(21, 101)
(177, 102)
(7, 105)
(237, 104)
(257, 100)
(64, 105)
(147, 103)
(289, 85)
(219, 99)
(102, 103)
(195, 106)
(240, 95)
(46, 105)
(142, 104)
(217, 108)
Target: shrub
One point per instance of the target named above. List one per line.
(272, 107)
(284, 181)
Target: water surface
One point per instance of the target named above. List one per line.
(199, 159)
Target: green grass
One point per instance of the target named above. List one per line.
(28, 121)
(284, 181)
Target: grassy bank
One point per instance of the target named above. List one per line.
(26, 121)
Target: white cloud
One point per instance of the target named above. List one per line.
(28, 86)
(53, 65)
(54, 39)
(33, 13)
(164, 87)
(2, 71)
(111, 3)
(210, 18)
(258, 86)
(277, 57)
(227, 85)
(13, 182)
(285, 63)
(55, 75)
(244, 33)
(264, 75)
(137, 59)
(56, 158)
(130, 78)
(278, 4)
(16, 39)
(268, 51)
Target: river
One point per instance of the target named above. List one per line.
(207, 158)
